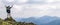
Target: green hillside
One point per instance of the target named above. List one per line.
(11, 21)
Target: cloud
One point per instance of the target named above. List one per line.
(52, 8)
(9, 0)
(22, 1)
(2, 10)
(35, 10)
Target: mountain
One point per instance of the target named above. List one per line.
(11, 21)
(45, 20)
(55, 22)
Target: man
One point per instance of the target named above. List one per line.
(8, 8)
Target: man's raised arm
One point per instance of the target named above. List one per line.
(11, 6)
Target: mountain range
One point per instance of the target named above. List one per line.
(44, 20)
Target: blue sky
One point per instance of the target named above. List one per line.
(30, 8)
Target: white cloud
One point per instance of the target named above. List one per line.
(21, 1)
(2, 10)
(18, 7)
(38, 10)
(9, 0)
(50, 1)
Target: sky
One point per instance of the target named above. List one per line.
(30, 8)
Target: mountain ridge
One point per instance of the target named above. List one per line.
(40, 21)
